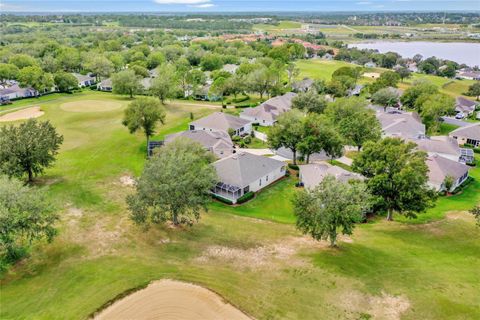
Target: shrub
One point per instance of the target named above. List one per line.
(240, 99)
(293, 166)
(247, 196)
(247, 140)
(222, 199)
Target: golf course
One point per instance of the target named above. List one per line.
(251, 258)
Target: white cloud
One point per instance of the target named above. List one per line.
(205, 5)
(182, 1)
(364, 2)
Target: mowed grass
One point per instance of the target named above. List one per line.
(99, 253)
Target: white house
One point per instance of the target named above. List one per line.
(439, 168)
(105, 85)
(220, 121)
(267, 113)
(16, 92)
(84, 80)
(244, 172)
(311, 175)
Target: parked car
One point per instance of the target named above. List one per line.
(459, 115)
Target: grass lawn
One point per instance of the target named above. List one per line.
(263, 266)
(446, 128)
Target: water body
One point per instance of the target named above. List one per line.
(460, 52)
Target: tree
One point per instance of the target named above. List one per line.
(476, 213)
(403, 73)
(25, 216)
(386, 79)
(418, 89)
(448, 183)
(65, 81)
(155, 59)
(356, 123)
(22, 61)
(126, 82)
(331, 206)
(100, 66)
(386, 97)
(261, 80)
(165, 86)
(35, 77)
(309, 101)
(211, 61)
(8, 72)
(287, 132)
(175, 185)
(396, 175)
(219, 87)
(351, 72)
(473, 90)
(28, 148)
(69, 59)
(292, 71)
(435, 106)
(144, 114)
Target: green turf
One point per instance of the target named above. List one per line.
(99, 253)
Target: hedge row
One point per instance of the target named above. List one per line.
(222, 199)
(247, 196)
(293, 166)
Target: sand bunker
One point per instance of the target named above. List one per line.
(33, 112)
(168, 300)
(90, 106)
(373, 75)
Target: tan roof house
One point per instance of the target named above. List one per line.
(220, 121)
(267, 113)
(311, 175)
(217, 142)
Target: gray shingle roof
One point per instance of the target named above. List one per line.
(272, 108)
(438, 144)
(242, 169)
(471, 131)
(465, 105)
(220, 121)
(213, 141)
(440, 167)
(82, 78)
(313, 174)
(404, 124)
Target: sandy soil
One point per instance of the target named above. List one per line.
(373, 75)
(33, 112)
(169, 300)
(90, 106)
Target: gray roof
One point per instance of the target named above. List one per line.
(146, 83)
(439, 168)
(304, 84)
(401, 124)
(105, 83)
(230, 68)
(213, 141)
(82, 78)
(16, 88)
(356, 90)
(438, 144)
(220, 121)
(471, 132)
(242, 169)
(313, 174)
(272, 108)
(465, 105)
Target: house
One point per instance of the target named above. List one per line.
(303, 85)
(469, 134)
(412, 67)
(220, 121)
(267, 113)
(468, 74)
(327, 56)
(355, 91)
(370, 64)
(244, 172)
(443, 146)
(465, 106)
(146, 83)
(440, 168)
(230, 68)
(84, 80)
(217, 142)
(311, 175)
(406, 125)
(16, 92)
(105, 85)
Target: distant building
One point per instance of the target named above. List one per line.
(223, 122)
(468, 74)
(303, 85)
(356, 90)
(105, 85)
(311, 175)
(16, 92)
(84, 80)
(267, 113)
(370, 64)
(217, 142)
(465, 106)
(230, 68)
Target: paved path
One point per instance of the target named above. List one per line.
(345, 160)
(456, 122)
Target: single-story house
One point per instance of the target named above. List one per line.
(400, 124)
(267, 113)
(467, 135)
(217, 142)
(311, 175)
(327, 56)
(303, 85)
(230, 68)
(412, 67)
(84, 80)
(443, 146)
(220, 121)
(105, 85)
(440, 168)
(16, 92)
(465, 106)
(468, 74)
(244, 172)
(356, 90)
(370, 64)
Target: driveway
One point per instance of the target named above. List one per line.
(455, 122)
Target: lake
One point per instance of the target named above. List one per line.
(461, 52)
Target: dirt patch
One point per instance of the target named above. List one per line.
(169, 299)
(372, 75)
(384, 306)
(127, 181)
(90, 106)
(28, 113)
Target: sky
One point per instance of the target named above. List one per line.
(235, 5)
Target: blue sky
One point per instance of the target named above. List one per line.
(234, 5)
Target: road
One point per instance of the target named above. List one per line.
(455, 122)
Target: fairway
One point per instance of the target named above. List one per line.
(251, 255)
(90, 106)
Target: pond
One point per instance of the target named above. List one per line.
(461, 52)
